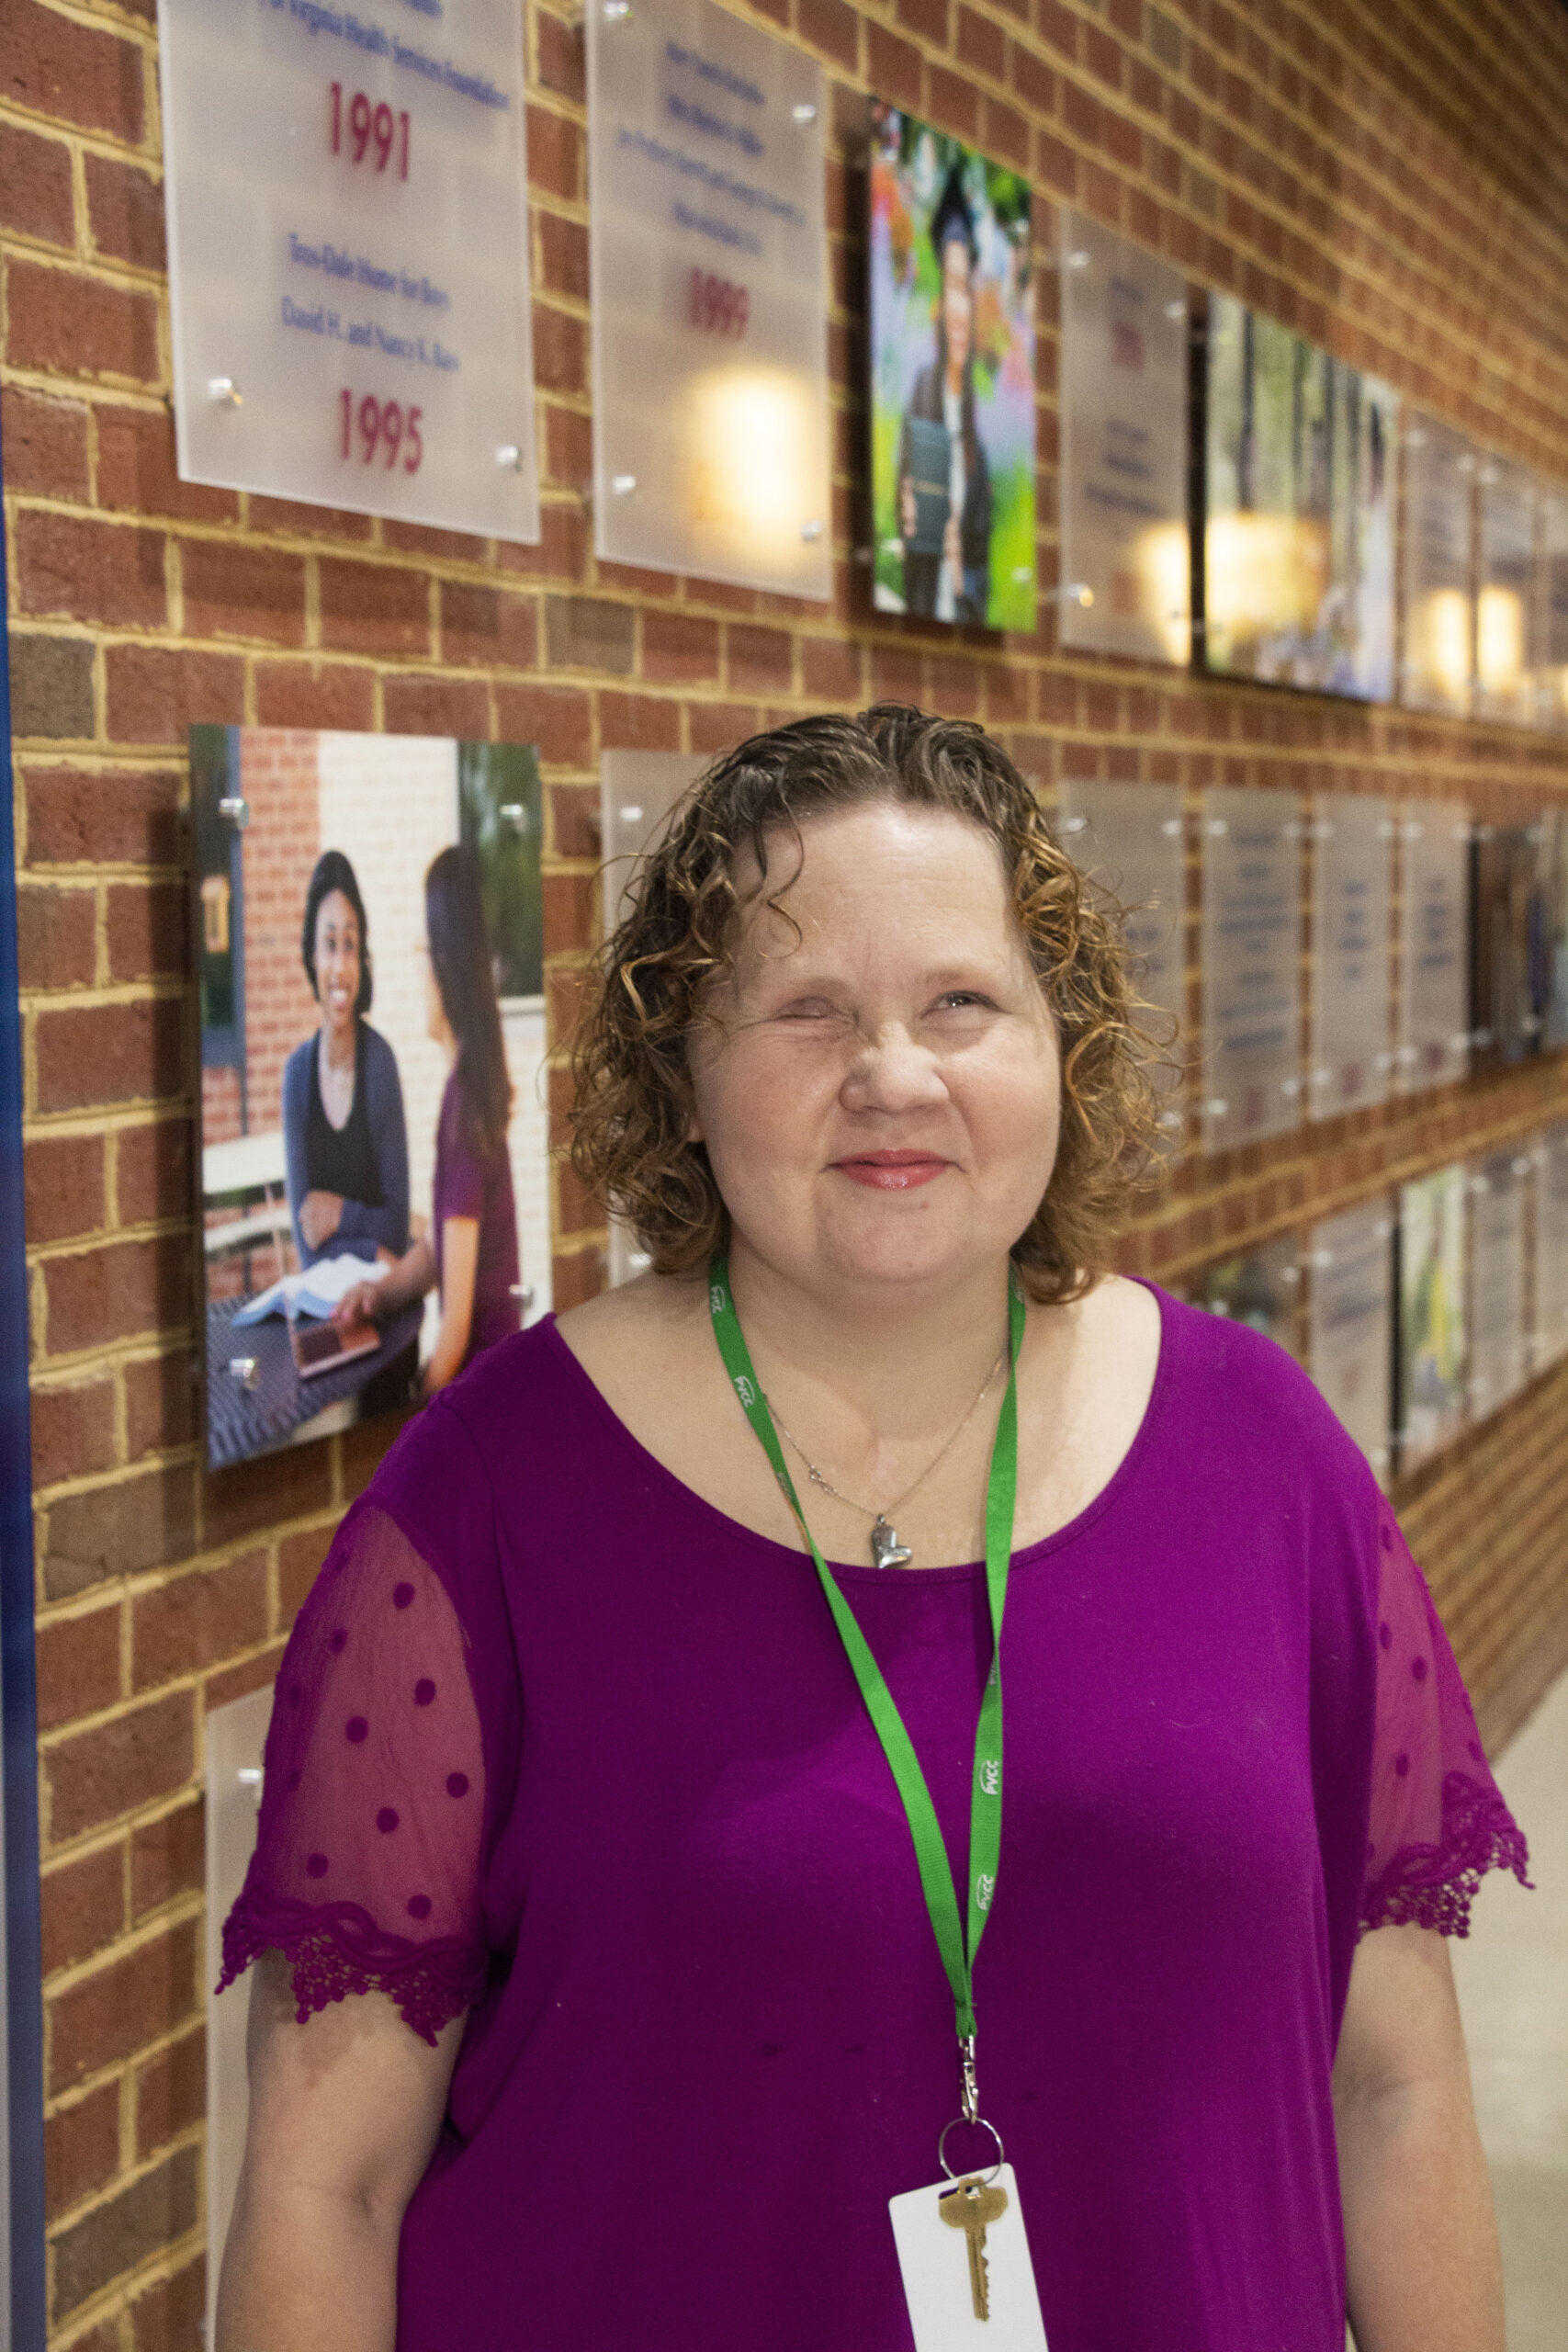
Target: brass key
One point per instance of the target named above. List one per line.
(971, 2207)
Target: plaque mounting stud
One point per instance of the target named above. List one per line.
(237, 810)
(510, 456)
(622, 485)
(804, 112)
(812, 530)
(223, 392)
(616, 11)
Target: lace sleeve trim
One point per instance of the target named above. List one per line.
(1433, 1886)
(335, 1949)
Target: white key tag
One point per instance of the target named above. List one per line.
(933, 2256)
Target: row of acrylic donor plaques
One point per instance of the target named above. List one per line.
(1353, 1056)
(1351, 1323)
(1434, 997)
(1434, 1357)
(348, 256)
(1260, 1288)
(709, 259)
(323, 863)
(1130, 840)
(1499, 1346)
(637, 793)
(1298, 556)
(1126, 550)
(1512, 959)
(1550, 1289)
(1251, 964)
(952, 360)
(1439, 470)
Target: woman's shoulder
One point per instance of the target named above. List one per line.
(1252, 1400)
(380, 1059)
(301, 1060)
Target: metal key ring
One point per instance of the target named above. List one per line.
(980, 2125)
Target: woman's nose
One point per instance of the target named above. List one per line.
(892, 1072)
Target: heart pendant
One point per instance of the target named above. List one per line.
(885, 1549)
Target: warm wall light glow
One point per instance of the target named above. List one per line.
(1164, 561)
(1264, 573)
(1442, 636)
(1500, 640)
(749, 459)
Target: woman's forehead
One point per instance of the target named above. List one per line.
(883, 874)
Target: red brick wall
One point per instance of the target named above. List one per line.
(277, 773)
(1390, 179)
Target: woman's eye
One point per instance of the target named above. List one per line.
(961, 1000)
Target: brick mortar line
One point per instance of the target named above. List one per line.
(186, 1906)
(112, 2300)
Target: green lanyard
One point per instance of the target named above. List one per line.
(957, 1948)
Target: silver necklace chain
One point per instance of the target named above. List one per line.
(886, 1550)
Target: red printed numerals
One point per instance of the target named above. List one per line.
(717, 306)
(362, 131)
(373, 429)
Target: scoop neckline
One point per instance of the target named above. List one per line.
(856, 1572)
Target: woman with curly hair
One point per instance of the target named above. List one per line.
(641, 1745)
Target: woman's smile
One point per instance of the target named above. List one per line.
(892, 1171)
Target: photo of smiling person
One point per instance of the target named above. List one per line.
(345, 1137)
(942, 474)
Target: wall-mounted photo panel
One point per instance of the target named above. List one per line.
(1132, 841)
(1262, 1288)
(1433, 957)
(1505, 566)
(1351, 1323)
(1553, 826)
(951, 380)
(1499, 1340)
(340, 970)
(638, 791)
(709, 260)
(1433, 1361)
(1298, 552)
(1437, 660)
(1510, 975)
(1352, 1011)
(1550, 658)
(1126, 559)
(348, 256)
(1250, 1077)
(1550, 1288)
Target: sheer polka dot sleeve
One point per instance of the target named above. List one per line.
(1438, 1822)
(366, 1875)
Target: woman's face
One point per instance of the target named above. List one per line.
(957, 302)
(880, 1096)
(337, 960)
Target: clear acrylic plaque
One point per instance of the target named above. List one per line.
(1551, 1285)
(1131, 841)
(1300, 495)
(1498, 1344)
(709, 257)
(1439, 611)
(1251, 1077)
(1352, 1043)
(1351, 1324)
(1505, 677)
(1553, 826)
(638, 790)
(348, 256)
(1126, 555)
(1434, 962)
(1510, 981)
(1550, 660)
(1433, 1362)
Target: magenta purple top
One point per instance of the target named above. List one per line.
(470, 1184)
(558, 1744)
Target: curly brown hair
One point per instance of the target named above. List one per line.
(634, 1100)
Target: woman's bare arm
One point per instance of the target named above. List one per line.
(459, 1272)
(345, 2113)
(1420, 2234)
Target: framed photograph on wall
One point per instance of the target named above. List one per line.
(1433, 1344)
(952, 380)
(1298, 552)
(368, 942)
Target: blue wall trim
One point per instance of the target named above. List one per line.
(19, 1714)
